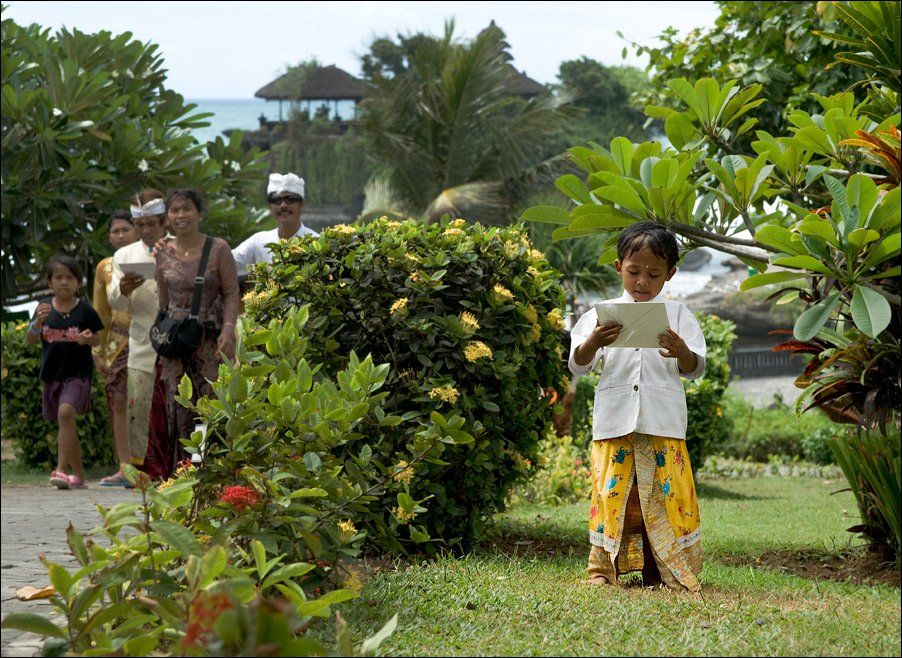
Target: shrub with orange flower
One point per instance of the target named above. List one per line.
(239, 496)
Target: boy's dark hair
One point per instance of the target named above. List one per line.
(188, 193)
(662, 242)
(121, 215)
(66, 261)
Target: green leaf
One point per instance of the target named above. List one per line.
(573, 187)
(768, 278)
(599, 217)
(546, 214)
(680, 130)
(811, 321)
(289, 571)
(622, 196)
(871, 312)
(372, 644)
(60, 579)
(406, 502)
(861, 236)
(177, 536)
(779, 238)
(622, 152)
(32, 623)
(802, 262)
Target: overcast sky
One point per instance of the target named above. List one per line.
(231, 49)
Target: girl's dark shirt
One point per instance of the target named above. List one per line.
(62, 357)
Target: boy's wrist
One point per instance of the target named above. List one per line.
(33, 330)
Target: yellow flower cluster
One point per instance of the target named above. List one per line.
(4, 372)
(411, 258)
(453, 231)
(533, 272)
(476, 350)
(458, 223)
(165, 484)
(511, 249)
(536, 255)
(468, 321)
(404, 473)
(347, 527)
(22, 325)
(415, 277)
(297, 250)
(447, 394)
(535, 332)
(555, 319)
(403, 516)
(399, 307)
(501, 292)
(529, 312)
(344, 229)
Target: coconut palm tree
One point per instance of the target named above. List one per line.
(448, 136)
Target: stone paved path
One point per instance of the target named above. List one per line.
(34, 521)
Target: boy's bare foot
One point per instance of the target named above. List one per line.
(597, 580)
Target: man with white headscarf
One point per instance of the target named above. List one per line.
(285, 195)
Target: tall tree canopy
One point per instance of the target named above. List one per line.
(447, 135)
(86, 122)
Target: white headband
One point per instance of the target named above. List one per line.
(149, 209)
(285, 183)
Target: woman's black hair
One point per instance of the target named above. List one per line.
(121, 215)
(662, 242)
(188, 193)
(66, 261)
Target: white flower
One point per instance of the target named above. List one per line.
(57, 112)
(235, 166)
(143, 166)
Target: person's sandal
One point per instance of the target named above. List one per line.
(59, 480)
(76, 482)
(115, 480)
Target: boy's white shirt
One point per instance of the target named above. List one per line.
(639, 390)
(254, 249)
(142, 306)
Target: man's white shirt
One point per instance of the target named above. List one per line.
(254, 249)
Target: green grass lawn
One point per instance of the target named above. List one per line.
(522, 593)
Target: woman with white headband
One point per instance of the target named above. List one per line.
(133, 287)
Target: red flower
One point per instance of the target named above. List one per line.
(202, 614)
(239, 496)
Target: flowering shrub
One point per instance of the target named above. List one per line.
(33, 438)
(469, 321)
(562, 474)
(236, 556)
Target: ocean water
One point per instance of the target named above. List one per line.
(231, 113)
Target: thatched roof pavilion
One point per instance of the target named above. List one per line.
(322, 83)
(522, 85)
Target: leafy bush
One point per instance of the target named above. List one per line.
(237, 556)
(872, 462)
(468, 319)
(562, 474)
(708, 425)
(777, 430)
(33, 438)
(87, 121)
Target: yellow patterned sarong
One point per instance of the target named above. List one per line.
(663, 504)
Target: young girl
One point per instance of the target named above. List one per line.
(644, 513)
(67, 327)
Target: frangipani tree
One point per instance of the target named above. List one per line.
(815, 210)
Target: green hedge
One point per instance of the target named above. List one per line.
(778, 430)
(469, 320)
(709, 426)
(33, 438)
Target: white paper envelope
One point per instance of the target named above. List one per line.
(147, 270)
(641, 321)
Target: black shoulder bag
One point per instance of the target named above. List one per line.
(179, 339)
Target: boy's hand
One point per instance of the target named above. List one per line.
(84, 338)
(604, 334)
(674, 346)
